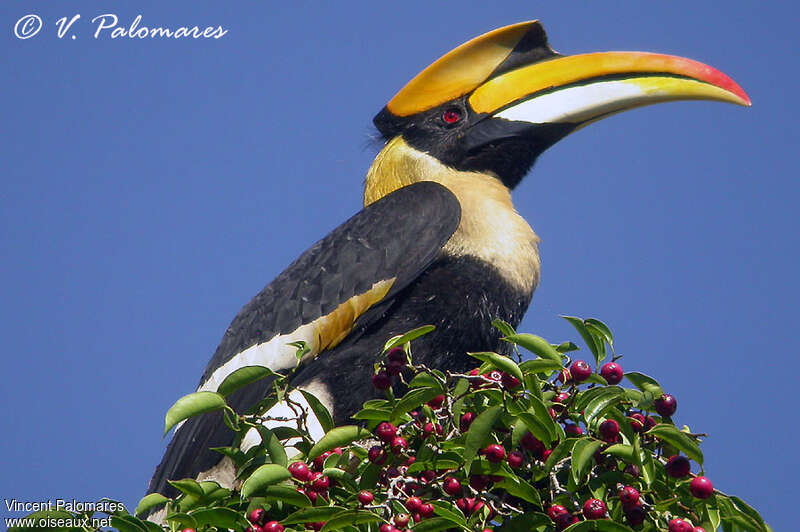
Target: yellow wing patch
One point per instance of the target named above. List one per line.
(333, 328)
(458, 72)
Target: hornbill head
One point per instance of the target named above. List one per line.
(495, 103)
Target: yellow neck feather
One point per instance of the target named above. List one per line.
(490, 228)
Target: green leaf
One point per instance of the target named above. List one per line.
(373, 414)
(500, 362)
(369, 477)
(561, 451)
(320, 411)
(479, 432)
(526, 522)
(192, 405)
(182, 520)
(149, 502)
(611, 396)
(536, 427)
(598, 328)
(621, 450)
(520, 488)
(449, 511)
(350, 517)
(567, 347)
(540, 365)
(424, 380)
(242, 377)
(582, 455)
(407, 337)
(338, 437)
(123, 523)
(504, 328)
(312, 515)
(748, 510)
(602, 525)
(679, 440)
(433, 524)
(187, 486)
(264, 476)
(223, 518)
(535, 344)
(597, 347)
(287, 495)
(277, 453)
(413, 399)
(645, 383)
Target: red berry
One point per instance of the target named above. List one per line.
(635, 514)
(677, 466)
(386, 527)
(463, 505)
(679, 525)
(272, 526)
(649, 423)
(495, 453)
(385, 431)
(300, 471)
(319, 482)
(319, 461)
(366, 497)
(556, 510)
(479, 482)
(413, 504)
(382, 380)
(531, 443)
(427, 476)
(559, 401)
(193, 530)
(666, 405)
(546, 454)
(565, 520)
(401, 520)
(394, 369)
(399, 444)
(376, 455)
(494, 376)
(428, 429)
(637, 422)
(257, 516)
(251, 528)
(564, 376)
(698, 529)
(701, 487)
(628, 496)
(580, 371)
(426, 510)
(515, 459)
(594, 509)
(609, 430)
(397, 355)
(451, 486)
(466, 420)
(315, 526)
(611, 372)
(509, 381)
(572, 430)
(436, 402)
(337, 450)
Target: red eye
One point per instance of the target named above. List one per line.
(451, 116)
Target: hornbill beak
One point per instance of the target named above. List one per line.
(512, 84)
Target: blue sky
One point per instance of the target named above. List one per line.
(150, 188)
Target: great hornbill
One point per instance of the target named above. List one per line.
(438, 241)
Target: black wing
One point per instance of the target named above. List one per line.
(393, 239)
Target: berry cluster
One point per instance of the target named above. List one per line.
(540, 444)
